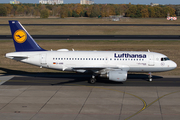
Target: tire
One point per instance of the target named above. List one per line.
(92, 81)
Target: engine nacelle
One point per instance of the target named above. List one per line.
(117, 75)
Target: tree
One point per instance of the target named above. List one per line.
(131, 12)
(169, 10)
(9, 8)
(103, 8)
(151, 12)
(121, 9)
(63, 12)
(20, 9)
(95, 11)
(3, 10)
(158, 11)
(78, 9)
(145, 13)
(44, 13)
(177, 11)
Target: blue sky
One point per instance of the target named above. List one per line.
(107, 1)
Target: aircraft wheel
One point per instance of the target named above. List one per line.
(92, 80)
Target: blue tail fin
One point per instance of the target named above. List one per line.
(22, 39)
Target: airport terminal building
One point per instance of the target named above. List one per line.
(51, 2)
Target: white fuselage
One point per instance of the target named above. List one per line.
(84, 60)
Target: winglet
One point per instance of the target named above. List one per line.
(22, 39)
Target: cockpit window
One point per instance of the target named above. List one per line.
(165, 59)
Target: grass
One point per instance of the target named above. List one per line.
(94, 30)
(32, 20)
(97, 30)
(169, 48)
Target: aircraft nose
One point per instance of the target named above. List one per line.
(173, 65)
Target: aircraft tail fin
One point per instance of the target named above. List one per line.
(22, 39)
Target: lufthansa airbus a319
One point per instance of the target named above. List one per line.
(113, 65)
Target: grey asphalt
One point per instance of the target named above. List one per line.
(67, 79)
(69, 97)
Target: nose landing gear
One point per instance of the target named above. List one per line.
(150, 77)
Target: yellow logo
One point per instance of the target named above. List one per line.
(20, 36)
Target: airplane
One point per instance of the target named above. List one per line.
(113, 65)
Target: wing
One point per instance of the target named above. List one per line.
(101, 70)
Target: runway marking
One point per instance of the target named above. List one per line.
(161, 98)
(3, 79)
(151, 104)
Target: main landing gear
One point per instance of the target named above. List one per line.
(92, 80)
(150, 77)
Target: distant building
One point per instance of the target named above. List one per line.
(154, 4)
(88, 2)
(14, 2)
(51, 2)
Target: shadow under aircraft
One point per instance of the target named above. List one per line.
(71, 79)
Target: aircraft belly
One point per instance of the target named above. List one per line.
(148, 69)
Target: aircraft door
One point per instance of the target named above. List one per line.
(151, 60)
(43, 60)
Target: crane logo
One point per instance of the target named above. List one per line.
(20, 36)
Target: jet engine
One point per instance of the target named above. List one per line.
(116, 75)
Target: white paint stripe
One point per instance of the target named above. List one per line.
(3, 79)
